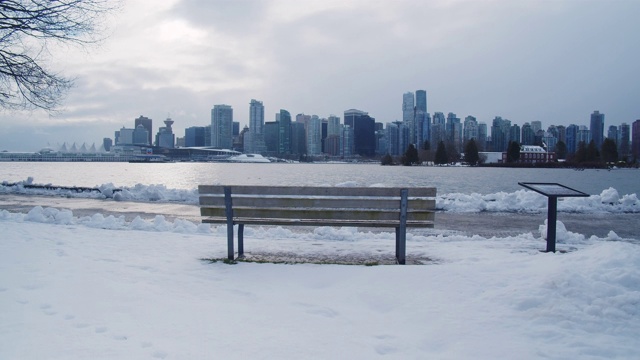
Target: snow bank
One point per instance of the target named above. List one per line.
(608, 201)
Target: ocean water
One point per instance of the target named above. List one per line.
(188, 176)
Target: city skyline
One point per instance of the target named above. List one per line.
(525, 61)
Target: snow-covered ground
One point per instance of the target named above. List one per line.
(102, 287)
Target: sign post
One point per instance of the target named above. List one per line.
(552, 191)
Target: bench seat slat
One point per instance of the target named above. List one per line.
(317, 213)
(316, 222)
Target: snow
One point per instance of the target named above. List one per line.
(99, 287)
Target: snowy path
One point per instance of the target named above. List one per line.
(74, 291)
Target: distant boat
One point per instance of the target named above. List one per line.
(248, 158)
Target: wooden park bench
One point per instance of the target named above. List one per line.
(375, 207)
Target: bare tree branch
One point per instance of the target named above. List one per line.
(24, 81)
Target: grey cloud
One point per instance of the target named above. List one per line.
(229, 16)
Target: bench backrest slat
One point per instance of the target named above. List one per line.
(298, 202)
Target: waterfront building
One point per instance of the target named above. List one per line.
(470, 130)
(624, 138)
(584, 135)
(140, 135)
(332, 141)
(147, 124)
(597, 128)
(528, 136)
(482, 136)
(635, 139)
(363, 128)
(562, 133)
(254, 138)
(549, 142)
(536, 126)
(194, 136)
(533, 154)
(612, 133)
(284, 132)
(124, 136)
(572, 138)
(165, 137)
(397, 135)
(298, 138)
(271, 129)
(408, 114)
(347, 142)
(222, 127)
(207, 135)
(314, 136)
(423, 122)
(500, 134)
(107, 143)
(514, 133)
(422, 118)
(453, 128)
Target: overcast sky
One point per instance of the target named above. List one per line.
(553, 61)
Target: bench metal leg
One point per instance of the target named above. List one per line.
(229, 213)
(401, 245)
(240, 240)
(230, 251)
(397, 243)
(401, 231)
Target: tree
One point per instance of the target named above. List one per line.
(581, 153)
(471, 153)
(561, 150)
(453, 152)
(441, 155)
(513, 152)
(386, 160)
(426, 145)
(609, 151)
(27, 27)
(410, 156)
(592, 152)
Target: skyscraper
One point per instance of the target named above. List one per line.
(254, 139)
(422, 119)
(635, 139)
(528, 136)
(314, 136)
(364, 133)
(572, 138)
(408, 115)
(397, 135)
(165, 137)
(147, 124)
(284, 132)
(624, 136)
(597, 128)
(222, 127)
(256, 117)
(194, 136)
